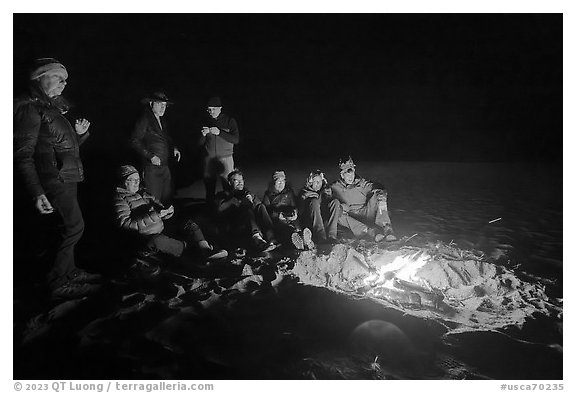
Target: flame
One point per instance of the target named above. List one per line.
(403, 267)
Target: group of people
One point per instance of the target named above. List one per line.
(47, 162)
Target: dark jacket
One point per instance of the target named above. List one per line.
(279, 202)
(228, 200)
(46, 146)
(138, 212)
(221, 145)
(149, 140)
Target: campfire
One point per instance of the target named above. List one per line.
(438, 282)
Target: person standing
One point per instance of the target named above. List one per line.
(47, 165)
(153, 143)
(219, 136)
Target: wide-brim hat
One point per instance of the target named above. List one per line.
(156, 97)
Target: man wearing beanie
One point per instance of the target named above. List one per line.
(47, 170)
(153, 144)
(364, 208)
(144, 220)
(219, 135)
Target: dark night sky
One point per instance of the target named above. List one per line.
(458, 87)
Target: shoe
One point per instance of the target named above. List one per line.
(307, 237)
(297, 241)
(271, 246)
(211, 254)
(82, 276)
(259, 242)
(379, 237)
(71, 290)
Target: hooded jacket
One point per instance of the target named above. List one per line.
(221, 145)
(46, 146)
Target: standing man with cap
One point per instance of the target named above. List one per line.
(219, 136)
(48, 167)
(152, 142)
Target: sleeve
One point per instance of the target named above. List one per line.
(373, 187)
(27, 123)
(82, 138)
(137, 139)
(230, 134)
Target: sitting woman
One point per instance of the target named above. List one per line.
(280, 201)
(142, 217)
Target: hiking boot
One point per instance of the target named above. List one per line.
(307, 237)
(297, 241)
(82, 276)
(259, 243)
(272, 246)
(71, 290)
(212, 254)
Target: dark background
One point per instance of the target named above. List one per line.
(407, 87)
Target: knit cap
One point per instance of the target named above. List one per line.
(47, 65)
(126, 170)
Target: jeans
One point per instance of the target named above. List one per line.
(67, 218)
(321, 215)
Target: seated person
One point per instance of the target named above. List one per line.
(318, 210)
(364, 209)
(142, 216)
(280, 201)
(243, 212)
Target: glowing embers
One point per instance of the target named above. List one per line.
(398, 281)
(403, 267)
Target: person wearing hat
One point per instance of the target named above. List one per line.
(140, 214)
(364, 208)
(47, 169)
(280, 201)
(219, 135)
(153, 144)
(319, 211)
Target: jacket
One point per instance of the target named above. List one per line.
(225, 200)
(355, 195)
(221, 145)
(149, 140)
(46, 146)
(279, 202)
(138, 212)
